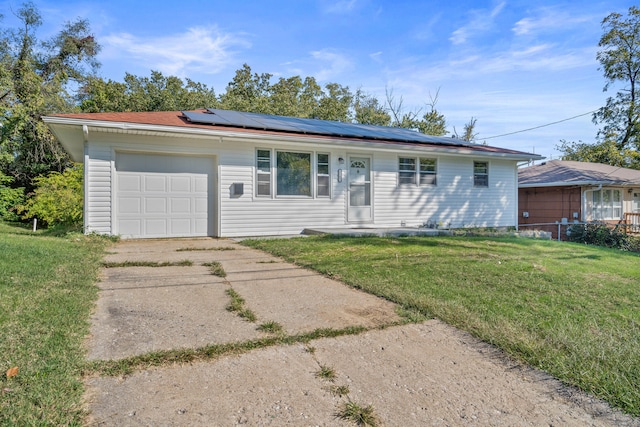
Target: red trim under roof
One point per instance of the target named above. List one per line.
(176, 119)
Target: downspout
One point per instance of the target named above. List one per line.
(584, 201)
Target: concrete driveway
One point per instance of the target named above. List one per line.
(411, 374)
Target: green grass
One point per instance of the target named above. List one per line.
(326, 373)
(221, 248)
(358, 414)
(47, 291)
(215, 268)
(183, 263)
(236, 305)
(271, 327)
(569, 309)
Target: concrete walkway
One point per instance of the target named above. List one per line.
(417, 374)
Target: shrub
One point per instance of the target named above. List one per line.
(57, 199)
(9, 198)
(602, 235)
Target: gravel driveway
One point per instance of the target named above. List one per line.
(427, 374)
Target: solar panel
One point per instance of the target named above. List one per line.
(313, 126)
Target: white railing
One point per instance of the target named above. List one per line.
(632, 222)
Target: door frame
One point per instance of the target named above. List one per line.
(353, 217)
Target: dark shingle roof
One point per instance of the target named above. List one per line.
(564, 173)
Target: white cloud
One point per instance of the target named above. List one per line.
(550, 19)
(332, 64)
(199, 49)
(481, 21)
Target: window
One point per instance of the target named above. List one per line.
(606, 204)
(409, 173)
(263, 173)
(293, 172)
(406, 170)
(323, 180)
(428, 171)
(480, 174)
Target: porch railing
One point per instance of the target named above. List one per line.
(632, 222)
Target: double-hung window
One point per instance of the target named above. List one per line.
(428, 171)
(480, 174)
(263, 172)
(417, 171)
(323, 179)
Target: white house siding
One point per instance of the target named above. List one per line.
(98, 189)
(251, 215)
(452, 201)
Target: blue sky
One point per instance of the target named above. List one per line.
(512, 64)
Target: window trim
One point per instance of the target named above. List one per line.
(597, 209)
(477, 175)
(311, 176)
(418, 173)
(318, 175)
(261, 172)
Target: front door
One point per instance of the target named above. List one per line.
(359, 209)
(636, 203)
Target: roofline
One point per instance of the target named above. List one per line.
(579, 183)
(183, 130)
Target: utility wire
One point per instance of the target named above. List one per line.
(541, 126)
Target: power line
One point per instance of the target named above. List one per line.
(541, 126)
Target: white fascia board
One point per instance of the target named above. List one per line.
(97, 125)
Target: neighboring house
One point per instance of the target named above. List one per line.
(567, 191)
(228, 174)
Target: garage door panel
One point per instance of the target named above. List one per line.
(129, 205)
(163, 196)
(180, 205)
(155, 183)
(180, 184)
(127, 182)
(155, 205)
(130, 227)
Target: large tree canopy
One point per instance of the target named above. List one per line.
(618, 140)
(37, 78)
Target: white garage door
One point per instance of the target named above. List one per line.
(163, 196)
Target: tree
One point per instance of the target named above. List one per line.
(369, 111)
(469, 133)
(606, 152)
(618, 140)
(431, 123)
(620, 61)
(154, 93)
(37, 78)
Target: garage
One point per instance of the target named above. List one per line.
(163, 195)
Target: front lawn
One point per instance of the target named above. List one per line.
(47, 290)
(569, 309)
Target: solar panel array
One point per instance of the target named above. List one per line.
(313, 126)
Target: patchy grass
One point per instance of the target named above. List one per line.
(183, 263)
(210, 352)
(237, 306)
(326, 373)
(271, 327)
(338, 390)
(221, 248)
(47, 291)
(215, 268)
(358, 414)
(569, 309)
